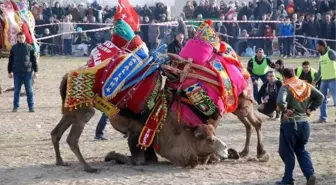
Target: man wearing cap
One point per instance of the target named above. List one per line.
(327, 73)
(258, 67)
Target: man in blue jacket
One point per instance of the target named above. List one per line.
(287, 31)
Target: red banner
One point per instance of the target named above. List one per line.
(102, 52)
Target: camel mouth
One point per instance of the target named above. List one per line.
(222, 150)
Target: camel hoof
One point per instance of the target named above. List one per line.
(112, 156)
(243, 153)
(263, 157)
(61, 163)
(91, 170)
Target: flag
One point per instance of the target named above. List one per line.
(126, 12)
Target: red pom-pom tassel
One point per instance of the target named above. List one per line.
(222, 47)
(209, 22)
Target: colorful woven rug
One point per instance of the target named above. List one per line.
(79, 89)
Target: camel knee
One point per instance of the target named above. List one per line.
(85, 115)
(72, 142)
(55, 137)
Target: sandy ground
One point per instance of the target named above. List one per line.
(27, 156)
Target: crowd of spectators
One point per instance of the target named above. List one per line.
(300, 17)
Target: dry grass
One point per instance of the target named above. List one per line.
(27, 155)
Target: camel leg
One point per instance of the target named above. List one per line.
(257, 124)
(56, 135)
(150, 155)
(82, 117)
(245, 152)
(118, 158)
(138, 155)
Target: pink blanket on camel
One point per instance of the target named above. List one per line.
(228, 74)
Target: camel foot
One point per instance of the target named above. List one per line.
(233, 154)
(61, 163)
(118, 158)
(90, 169)
(244, 153)
(263, 157)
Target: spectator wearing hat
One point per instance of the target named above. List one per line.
(47, 43)
(82, 41)
(281, 12)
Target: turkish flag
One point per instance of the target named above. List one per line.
(126, 12)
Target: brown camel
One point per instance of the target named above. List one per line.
(173, 138)
(183, 146)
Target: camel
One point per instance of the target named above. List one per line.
(179, 144)
(183, 146)
(177, 141)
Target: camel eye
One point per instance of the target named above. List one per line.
(211, 140)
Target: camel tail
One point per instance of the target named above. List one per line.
(63, 89)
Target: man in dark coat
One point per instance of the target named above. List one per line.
(177, 44)
(22, 66)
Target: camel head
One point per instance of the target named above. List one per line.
(208, 143)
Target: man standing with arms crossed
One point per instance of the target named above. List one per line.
(22, 63)
(296, 99)
(327, 73)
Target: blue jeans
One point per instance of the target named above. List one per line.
(312, 44)
(68, 46)
(255, 86)
(101, 126)
(293, 138)
(26, 79)
(325, 85)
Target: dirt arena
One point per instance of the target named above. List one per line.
(27, 155)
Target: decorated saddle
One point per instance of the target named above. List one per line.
(212, 78)
(14, 18)
(120, 74)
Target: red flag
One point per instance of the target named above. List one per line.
(126, 12)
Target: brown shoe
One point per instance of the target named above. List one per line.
(311, 180)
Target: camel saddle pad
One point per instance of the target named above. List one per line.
(142, 96)
(79, 89)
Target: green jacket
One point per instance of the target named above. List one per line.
(285, 100)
